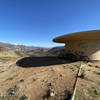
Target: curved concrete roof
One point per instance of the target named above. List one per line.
(84, 35)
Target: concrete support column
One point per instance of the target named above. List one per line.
(83, 49)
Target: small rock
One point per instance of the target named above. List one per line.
(22, 80)
(89, 64)
(73, 70)
(97, 66)
(49, 84)
(88, 69)
(24, 97)
(33, 79)
(52, 94)
(45, 81)
(60, 75)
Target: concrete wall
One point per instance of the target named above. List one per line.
(84, 49)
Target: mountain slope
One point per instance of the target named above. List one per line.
(22, 48)
(9, 53)
(57, 51)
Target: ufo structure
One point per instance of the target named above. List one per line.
(83, 45)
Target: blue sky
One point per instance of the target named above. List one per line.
(37, 22)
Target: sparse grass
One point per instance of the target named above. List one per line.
(98, 82)
(77, 66)
(4, 59)
(98, 73)
(77, 95)
(95, 61)
(19, 53)
(88, 79)
(13, 90)
(8, 97)
(10, 78)
(94, 92)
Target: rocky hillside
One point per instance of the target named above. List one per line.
(56, 51)
(10, 53)
(22, 48)
(35, 51)
(2, 49)
(38, 52)
(15, 50)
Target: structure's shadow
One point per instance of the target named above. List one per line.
(39, 61)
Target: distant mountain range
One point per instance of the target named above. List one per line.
(55, 51)
(34, 51)
(22, 48)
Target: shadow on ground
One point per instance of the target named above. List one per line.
(39, 61)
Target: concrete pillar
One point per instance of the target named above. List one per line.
(83, 49)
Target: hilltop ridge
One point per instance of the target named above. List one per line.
(22, 48)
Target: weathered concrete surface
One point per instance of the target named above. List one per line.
(84, 49)
(84, 35)
(82, 45)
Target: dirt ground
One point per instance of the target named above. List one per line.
(20, 80)
(88, 84)
(48, 78)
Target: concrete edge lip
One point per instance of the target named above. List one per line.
(83, 35)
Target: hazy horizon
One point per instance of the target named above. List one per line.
(33, 45)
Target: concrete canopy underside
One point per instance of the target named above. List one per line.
(82, 45)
